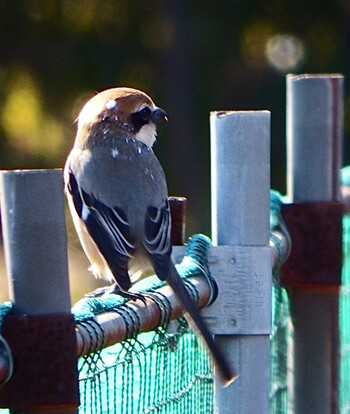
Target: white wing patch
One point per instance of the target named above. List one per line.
(85, 213)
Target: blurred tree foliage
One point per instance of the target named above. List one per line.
(190, 56)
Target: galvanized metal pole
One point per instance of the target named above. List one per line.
(314, 137)
(241, 316)
(314, 141)
(35, 243)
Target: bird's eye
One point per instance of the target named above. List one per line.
(140, 118)
(145, 113)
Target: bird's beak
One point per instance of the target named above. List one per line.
(159, 115)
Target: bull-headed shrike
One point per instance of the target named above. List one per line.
(118, 198)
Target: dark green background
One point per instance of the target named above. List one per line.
(190, 56)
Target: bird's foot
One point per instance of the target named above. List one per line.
(102, 291)
(132, 296)
(115, 289)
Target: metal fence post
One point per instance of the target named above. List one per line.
(241, 316)
(41, 334)
(314, 143)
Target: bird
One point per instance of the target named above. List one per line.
(118, 198)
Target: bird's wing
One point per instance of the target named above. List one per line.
(108, 227)
(157, 237)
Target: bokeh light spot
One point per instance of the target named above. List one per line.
(29, 128)
(284, 52)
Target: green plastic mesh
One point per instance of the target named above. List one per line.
(344, 310)
(280, 333)
(158, 372)
(344, 321)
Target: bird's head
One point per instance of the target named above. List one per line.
(125, 110)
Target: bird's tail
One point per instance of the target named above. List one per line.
(226, 373)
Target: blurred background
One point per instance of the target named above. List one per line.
(191, 57)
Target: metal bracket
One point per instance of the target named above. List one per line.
(244, 278)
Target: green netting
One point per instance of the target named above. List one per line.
(168, 372)
(344, 322)
(159, 372)
(280, 336)
(280, 333)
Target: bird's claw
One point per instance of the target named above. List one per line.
(102, 291)
(115, 290)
